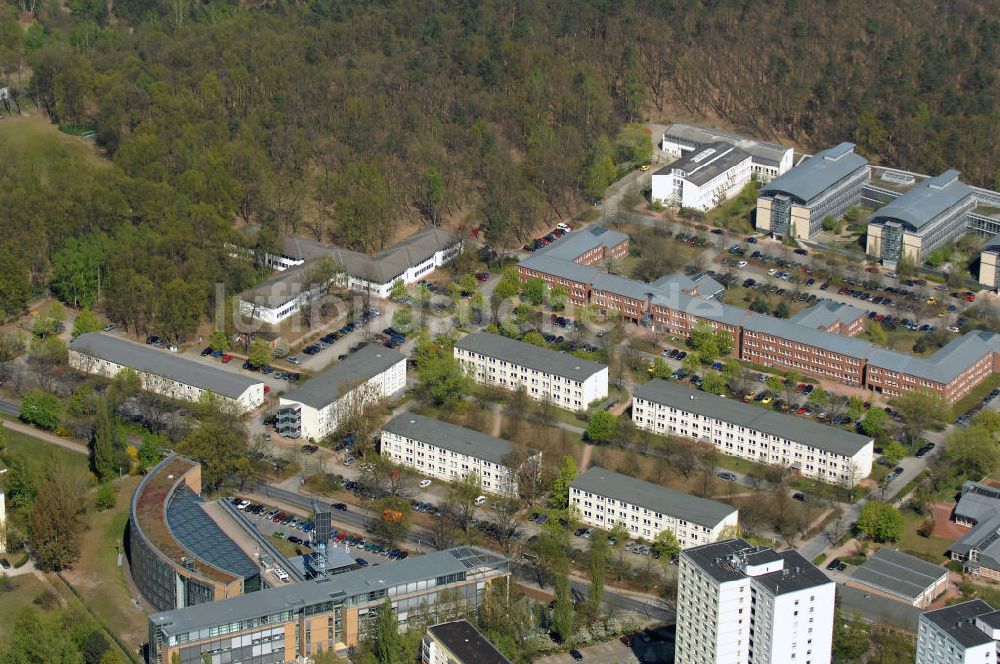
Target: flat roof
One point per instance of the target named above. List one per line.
(607, 483)
(816, 174)
(528, 355)
(467, 643)
(358, 367)
(806, 432)
(825, 314)
(707, 162)
(958, 621)
(450, 437)
(762, 151)
(163, 363)
(926, 201)
(469, 560)
(796, 572)
(899, 574)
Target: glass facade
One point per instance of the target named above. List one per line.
(781, 215)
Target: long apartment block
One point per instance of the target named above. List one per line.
(815, 450)
(561, 379)
(604, 498)
(450, 452)
(163, 372)
(741, 604)
(818, 341)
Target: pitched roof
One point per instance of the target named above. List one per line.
(528, 355)
(899, 574)
(838, 343)
(815, 175)
(450, 437)
(944, 365)
(574, 244)
(926, 201)
(162, 363)
(607, 483)
(826, 314)
(563, 269)
(333, 383)
(637, 290)
(806, 432)
(707, 162)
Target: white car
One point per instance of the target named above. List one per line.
(741, 264)
(243, 505)
(479, 501)
(424, 484)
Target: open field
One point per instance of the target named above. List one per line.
(39, 144)
(929, 548)
(96, 575)
(40, 455)
(24, 590)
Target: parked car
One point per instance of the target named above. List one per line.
(727, 476)
(424, 484)
(801, 497)
(205, 352)
(227, 358)
(576, 654)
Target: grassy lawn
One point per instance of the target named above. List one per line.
(40, 455)
(734, 214)
(929, 548)
(40, 142)
(976, 395)
(24, 591)
(96, 575)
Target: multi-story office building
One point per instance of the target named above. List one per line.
(989, 263)
(824, 185)
(815, 450)
(546, 375)
(925, 217)
(604, 498)
(178, 555)
(739, 604)
(315, 408)
(291, 623)
(163, 372)
(965, 633)
(768, 160)
(702, 179)
(835, 317)
(458, 642)
(449, 452)
(572, 261)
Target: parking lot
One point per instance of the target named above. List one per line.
(654, 646)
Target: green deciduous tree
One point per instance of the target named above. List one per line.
(533, 291)
(221, 452)
(86, 321)
(713, 382)
(443, 379)
(874, 422)
(398, 291)
(219, 341)
(599, 554)
(973, 451)
(260, 354)
(55, 522)
(893, 453)
(601, 426)
(881, 522)
(107, 446)
(920, 410)
(560, 485)
(665, 543)
(42, 409)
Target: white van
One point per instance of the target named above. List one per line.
(479, 501)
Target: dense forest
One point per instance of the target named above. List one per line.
(346, 120)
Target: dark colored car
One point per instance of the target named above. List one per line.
(576, 654)
(729, 477)
(205, 352)
(361, 561)
(341, 507)
(801, 497)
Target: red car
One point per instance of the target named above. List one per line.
(227, 358)
(267, 389)
(969, 297)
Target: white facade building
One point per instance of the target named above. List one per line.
(285, 294)
(739, 604)
(769, 159)
(966, 633)
(604, 498)
(163, 372)
(314, 409)
(449, 452)
(546, 375)
(704, 178)
(815, 450)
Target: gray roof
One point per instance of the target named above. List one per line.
(528, 355)
(993, 244)
(815, 175)
(926, 201)
(197, 532)
(806, 432)
(707, 162)
(826, 314)
(796, 574)
(279, 288)
(333, 383)
(637, 290)
(980, 503)
(958, 621)
(466, 643)
(293, 597)
(803, 334)
(899, 574)
(705, 285)
(162, 363)
(450, 437)
(574, 244)
(944, 365)
(874, 607)
(564, 269)
(761, 151)
(607, 483)
(698, 306)
(338, 561)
